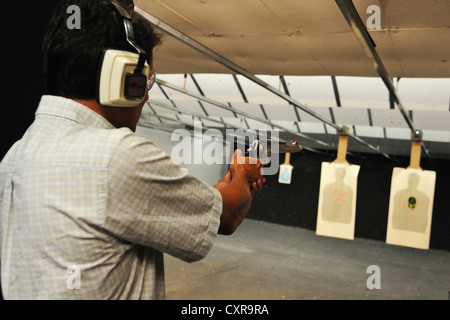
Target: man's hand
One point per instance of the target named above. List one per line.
(242, 182)
(249, 167)
(256, 187)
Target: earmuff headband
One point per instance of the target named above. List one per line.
(129, 32)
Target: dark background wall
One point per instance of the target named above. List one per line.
(296, 204)
(23, 25)
(22, 78)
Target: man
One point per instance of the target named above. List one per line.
(87, 207)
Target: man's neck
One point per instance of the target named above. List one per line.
(118, 117)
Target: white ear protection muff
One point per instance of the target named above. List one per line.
(123, 75)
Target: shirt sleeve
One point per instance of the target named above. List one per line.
(151, 201)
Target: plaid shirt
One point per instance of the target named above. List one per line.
(87, 210)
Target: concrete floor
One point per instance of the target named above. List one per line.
(264, 261)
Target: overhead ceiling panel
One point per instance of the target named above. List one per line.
(292, 37)
(280, 112)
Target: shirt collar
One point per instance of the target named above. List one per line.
(69, 109)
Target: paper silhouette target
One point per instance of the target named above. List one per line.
(411, 207)
(337, 200)
(410, 210)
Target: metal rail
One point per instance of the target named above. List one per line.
(225, 125)
(354, 20)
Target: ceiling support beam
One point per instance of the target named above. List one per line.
(336, 91)
(236, 80)
(201, 92)
(237, 69)
(286, 90)
(391, 100)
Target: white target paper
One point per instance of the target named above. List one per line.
(411, 208)
(337, 200)
(285, 174)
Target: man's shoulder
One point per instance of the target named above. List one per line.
(131, 145)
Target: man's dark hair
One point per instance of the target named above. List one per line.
(72, 56)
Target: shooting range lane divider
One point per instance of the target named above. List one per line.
(357, 26)
(336, 212)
